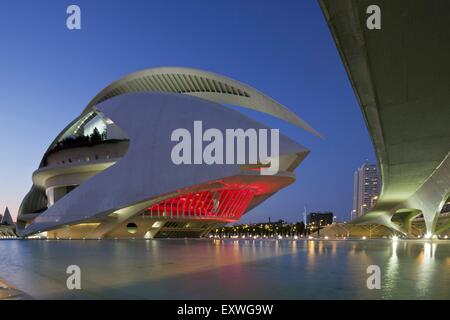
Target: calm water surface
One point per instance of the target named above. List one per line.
(239, 269)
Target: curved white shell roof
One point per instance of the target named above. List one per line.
(147, 171)
(202, 84)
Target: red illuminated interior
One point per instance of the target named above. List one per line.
(222, 204)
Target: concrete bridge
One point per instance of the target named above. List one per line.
(400, 74)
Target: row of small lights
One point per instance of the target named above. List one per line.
(265, 237)
(394, 238)
(279, 237)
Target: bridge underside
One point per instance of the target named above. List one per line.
(401, 77)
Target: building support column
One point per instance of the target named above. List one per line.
(431, 219)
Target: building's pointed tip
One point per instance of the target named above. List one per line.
(7, 218)
(304, 125)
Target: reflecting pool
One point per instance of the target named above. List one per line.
(227, 269)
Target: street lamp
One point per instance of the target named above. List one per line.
(318, 228)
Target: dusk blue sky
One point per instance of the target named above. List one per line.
(283, 48)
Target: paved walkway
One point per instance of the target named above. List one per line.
(8, 292)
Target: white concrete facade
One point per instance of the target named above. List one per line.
(110, 186)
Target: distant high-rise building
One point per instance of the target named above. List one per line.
(366, 189)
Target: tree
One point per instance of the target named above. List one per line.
(300, 227)
(96, 136)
